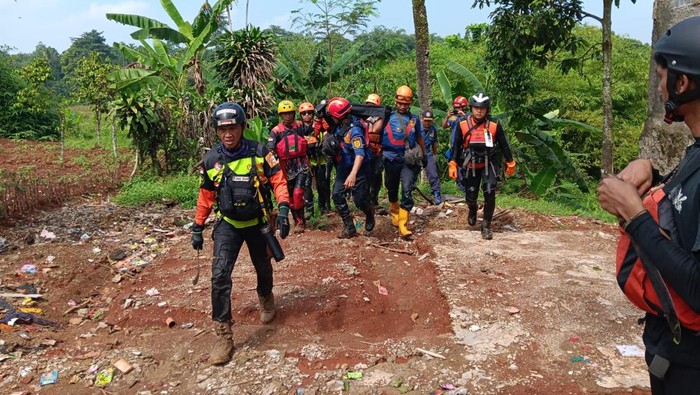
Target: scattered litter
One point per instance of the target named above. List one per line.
(29, 268)
(187, 325)
(353, 375)
(447, 386)
(162, 304)
(169, 322)
(47, 235)
(117, 278)
(580, 358)
(366, 299)
(104, 377)
(93, 368)
(19, 295)
(24, 335)
(630, 350)
(50, 259)
(414, 317)
(574, 339)
(51, 378)
(380, 288)
(430, 353)
(510, 227)
(358, 224)
(85, 237)
(448, 212)
(123, 366)
(96, 250)
(420, 258)
(474, 328)
(152, 292)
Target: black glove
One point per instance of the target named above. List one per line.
(424, 161)
(197, 239)
(282, 221)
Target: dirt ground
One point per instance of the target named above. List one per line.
(535, 310)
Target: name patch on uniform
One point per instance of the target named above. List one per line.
(271, 159)
(357, 143)
(240, 178)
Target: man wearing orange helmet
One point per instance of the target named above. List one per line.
(374, 136)
(290, 146)
(402, 130)
(316, 160)
(475, 140)
(347, 143)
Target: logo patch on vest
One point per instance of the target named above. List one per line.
(357, 143)
(271, 159)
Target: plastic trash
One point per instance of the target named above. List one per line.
(104, 377)
(29, 268)
(51, 378)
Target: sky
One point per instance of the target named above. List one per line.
(25, 23)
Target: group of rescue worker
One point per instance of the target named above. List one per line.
(383, 145)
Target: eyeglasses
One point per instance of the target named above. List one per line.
(307, 113)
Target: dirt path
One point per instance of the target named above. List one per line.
(536, 310)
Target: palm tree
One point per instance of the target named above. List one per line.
(246, 60)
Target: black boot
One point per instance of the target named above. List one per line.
(471, 217)
(486, 230)
(349, 230)
(369, 219)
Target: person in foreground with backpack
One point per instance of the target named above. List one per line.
(476, 138)
(235, 176)
(347, 144)
(288, 143)
(658, 255)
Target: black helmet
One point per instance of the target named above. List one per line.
(679, 52)
(228, 113)
(680, 48)
(480, 99)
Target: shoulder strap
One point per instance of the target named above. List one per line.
(678, 175)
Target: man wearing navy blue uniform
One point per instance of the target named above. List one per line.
(430, 140)
(351, 166)
(402, 130)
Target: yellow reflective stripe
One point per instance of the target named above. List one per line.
(241, 224)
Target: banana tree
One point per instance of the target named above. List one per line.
(194, 36)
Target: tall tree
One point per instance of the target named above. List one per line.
(90, 86)
(332, 18)
(662, 144)
(420, 21)
(88, 42)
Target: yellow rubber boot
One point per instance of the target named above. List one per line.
(404, 216)
(394, 211)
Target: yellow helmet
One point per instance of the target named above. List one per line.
(285, 106)
(374, 99)
(404, 95)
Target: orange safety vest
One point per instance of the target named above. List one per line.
(482, 136)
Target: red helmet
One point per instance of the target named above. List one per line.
(460, 101)
(338, 107)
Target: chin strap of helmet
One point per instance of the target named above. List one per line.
(675, 99)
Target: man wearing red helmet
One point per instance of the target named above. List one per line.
(459, 105)
(352, 156)
(402, 130)
(476, 138)
(659, 267)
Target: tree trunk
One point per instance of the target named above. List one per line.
(661, 143)
(420, 22)
(114, 136)
(98, 119)
(606, 160)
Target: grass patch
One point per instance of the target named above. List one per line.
(181, 189)
(82, 134)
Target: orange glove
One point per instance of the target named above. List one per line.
(452, 172)
(510, 170)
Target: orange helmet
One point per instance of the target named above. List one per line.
(306, 106)
(338, 107)
(374, 99)
(404, 95)
(460, 101)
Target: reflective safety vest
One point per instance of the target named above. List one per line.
(241, 196)
(396, 132)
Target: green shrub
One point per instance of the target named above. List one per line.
(181, 189)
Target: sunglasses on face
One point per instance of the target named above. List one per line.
(307, 113)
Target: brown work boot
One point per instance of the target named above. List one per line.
(223, 349)
(267, 308)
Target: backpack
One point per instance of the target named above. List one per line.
(291, 145)
(636, 274)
